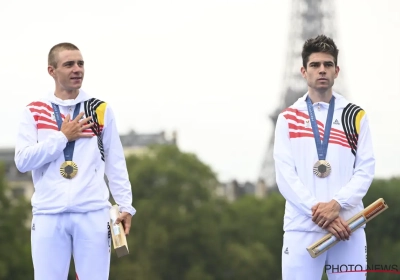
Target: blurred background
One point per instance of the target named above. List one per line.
(198, 86)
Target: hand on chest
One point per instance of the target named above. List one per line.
(71, 111)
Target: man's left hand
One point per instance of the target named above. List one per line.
(324, 213)
(126, 219)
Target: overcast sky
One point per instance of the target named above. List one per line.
(210, 69)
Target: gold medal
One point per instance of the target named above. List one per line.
(322, 169)
(68, 169)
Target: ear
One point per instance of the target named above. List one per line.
(303, 71)
(337, 69)
(51, 70)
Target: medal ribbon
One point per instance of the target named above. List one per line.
(322, 148)
(69, 149)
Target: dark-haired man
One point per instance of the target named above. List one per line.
(324, 164)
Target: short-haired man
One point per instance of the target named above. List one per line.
(324, 165)
(69, 140)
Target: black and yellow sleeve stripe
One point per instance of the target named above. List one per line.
(351, 121)
(96, 109)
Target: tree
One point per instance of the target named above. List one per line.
(175, 233)
(253, 231)
(15, 257)
(383, 231)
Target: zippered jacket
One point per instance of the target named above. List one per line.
(350, 154)
(40, 146)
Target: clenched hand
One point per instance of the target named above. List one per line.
(324, 213)
(340, 229)
(126, 220)
(74, 129)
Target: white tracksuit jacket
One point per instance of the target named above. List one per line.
(350, 154)
(39, 148)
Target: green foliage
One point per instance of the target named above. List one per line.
(15, 254)
(182, 231)
(383, 231)
(253, 231)
(175, 231)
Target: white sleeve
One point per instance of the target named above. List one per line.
(31, 155)
(115, 165)
(289, 183)
(364, 170)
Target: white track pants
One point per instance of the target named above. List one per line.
(86, 236)
(297, 264)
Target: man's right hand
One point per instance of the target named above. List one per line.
(74, 129)
(340, 229)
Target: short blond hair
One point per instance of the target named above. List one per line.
(52, 59)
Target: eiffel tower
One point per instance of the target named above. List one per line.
(309, 18)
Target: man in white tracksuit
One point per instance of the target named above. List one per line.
(69, 140)
(324, 164)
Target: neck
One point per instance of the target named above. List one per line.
(320, 96)
(65, 94)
